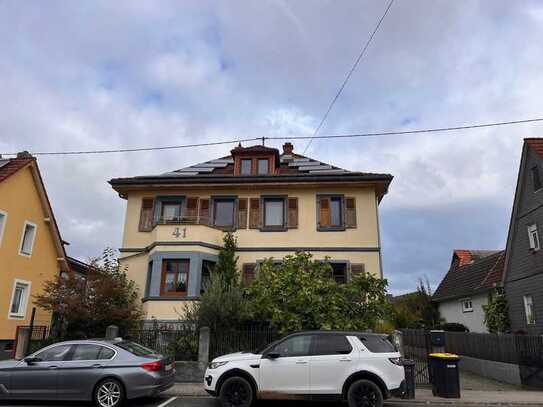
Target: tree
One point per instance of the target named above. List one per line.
(416, 310)
(86, 306)
(223, 304)
(300, 293)
(226, 265)
(497, 313)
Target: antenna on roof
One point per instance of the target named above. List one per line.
(263, 141)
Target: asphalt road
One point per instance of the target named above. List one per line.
(197, 402)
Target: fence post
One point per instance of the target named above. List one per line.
(31, 329)
(112, 332)
(397, 337)
(203, 346)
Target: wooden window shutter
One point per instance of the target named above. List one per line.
(254, 214)
(146, 215)
(292, 212)
(357, 268)
(192, 209)
(248, 274)
(350, 212)
(242, 213)
(324, 212)
(203, 215)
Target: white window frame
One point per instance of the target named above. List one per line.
(3, 225)
(535, 244)
(28, 223)
(24, 300)
(465, 308)
(530, 316)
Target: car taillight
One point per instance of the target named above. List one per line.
(152, 366)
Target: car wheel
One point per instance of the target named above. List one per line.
(236, 392)
(364, 393)
(109, 393)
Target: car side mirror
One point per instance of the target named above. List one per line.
(31, 360)
(273, 355)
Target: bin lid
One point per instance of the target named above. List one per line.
(448, 356)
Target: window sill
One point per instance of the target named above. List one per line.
(27, 255)
(273, 229)
(467, 311)
(171, 298)
(331, 229)
(16, 316)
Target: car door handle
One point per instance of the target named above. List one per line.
(301, 362)
(52, 367)
(345, 360)
(96, 366)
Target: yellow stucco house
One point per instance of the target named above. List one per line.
(31, 249)
(276, 203)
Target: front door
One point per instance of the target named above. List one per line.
(38, 380)
(332, 362)
(288, 373)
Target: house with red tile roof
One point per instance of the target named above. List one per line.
(31, 248)
(472, 279)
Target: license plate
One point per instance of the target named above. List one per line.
(168, 367)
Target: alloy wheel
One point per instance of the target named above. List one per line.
(237, 394)
(108, 394)
(365, 393)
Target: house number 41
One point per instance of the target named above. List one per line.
(178, 233)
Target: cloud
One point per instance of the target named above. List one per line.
(133, 74)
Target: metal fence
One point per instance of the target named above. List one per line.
(180, 341)
(499, 348)
(242, 339)
(416, 346)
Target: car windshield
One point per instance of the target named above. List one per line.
(135, 348)
(260, 349)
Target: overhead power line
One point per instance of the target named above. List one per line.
(329, 136)
(349, 74)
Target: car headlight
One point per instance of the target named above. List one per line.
(215, 365)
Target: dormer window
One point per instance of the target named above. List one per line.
(255, 160)
(246, 166)
(263, 166)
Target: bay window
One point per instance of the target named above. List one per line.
(175, 277)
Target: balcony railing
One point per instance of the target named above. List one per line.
(183, 220)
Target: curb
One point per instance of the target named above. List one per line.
(459, 402)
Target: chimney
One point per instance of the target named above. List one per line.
(24, 154)
(287, 148)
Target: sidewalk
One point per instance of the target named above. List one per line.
(423, 396)
(482, 397)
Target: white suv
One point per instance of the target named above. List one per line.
(358, 367)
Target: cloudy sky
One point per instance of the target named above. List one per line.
(103, 74)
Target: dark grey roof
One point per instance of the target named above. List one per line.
(481, 275)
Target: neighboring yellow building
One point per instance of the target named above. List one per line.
(31, 249)
(275, 203)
